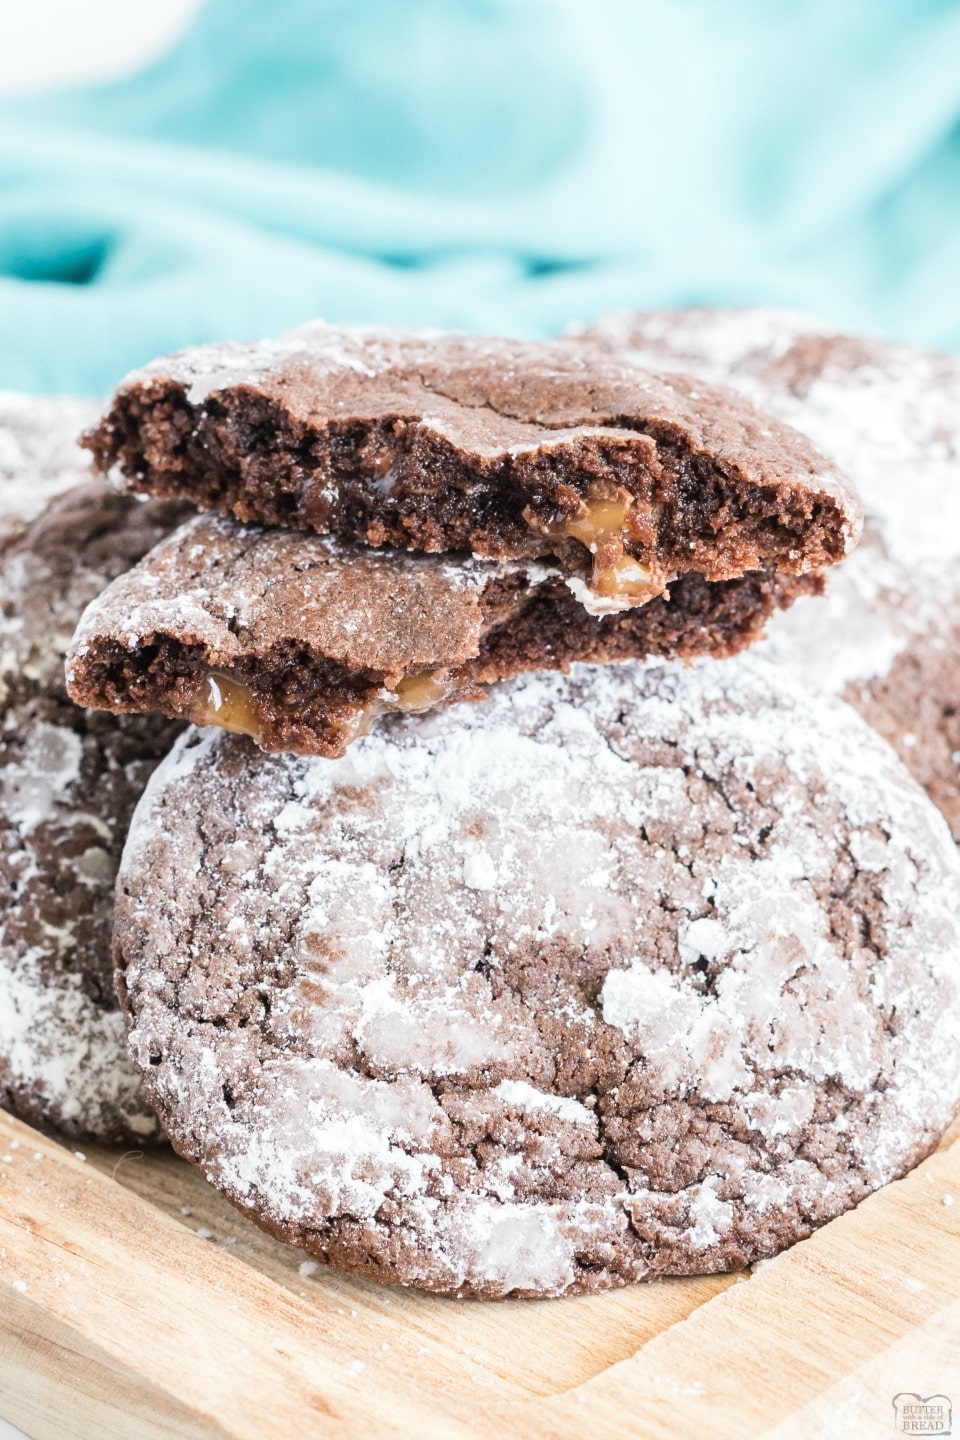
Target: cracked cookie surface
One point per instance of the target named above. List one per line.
(69, 779)
(887, 633)
(646, 971)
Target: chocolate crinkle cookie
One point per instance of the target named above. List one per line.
(645, 971)
(507, 449)
(304, 642)
(39, 454)
(887, 634)
(68, 783)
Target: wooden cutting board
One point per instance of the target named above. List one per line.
(134, 1302)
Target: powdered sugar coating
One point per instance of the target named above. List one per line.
(68, 782)
(886, 636)
(644, 971)
(39, 454)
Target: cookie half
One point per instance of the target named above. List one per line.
(887, 635)
(303, 642)
(647, 971)
(507, 449)
(68, 783)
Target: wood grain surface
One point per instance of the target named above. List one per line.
(134, 1302)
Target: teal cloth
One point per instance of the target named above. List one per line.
(512, 165)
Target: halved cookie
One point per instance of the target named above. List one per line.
(303, 642)
(507, 449)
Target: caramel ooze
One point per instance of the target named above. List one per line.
(231, 705)
(595, 522)
(420, 691)
(600, 523)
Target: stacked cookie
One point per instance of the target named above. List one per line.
(544, 504)
(617, 970)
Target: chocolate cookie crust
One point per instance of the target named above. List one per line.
(302, 642)
(887, 635)
(643, 972)
(507, 449)
(69, 779)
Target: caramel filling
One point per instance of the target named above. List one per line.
(626, 577)
(602, 522)
(227, 703)
(419, 691)
(594, 524)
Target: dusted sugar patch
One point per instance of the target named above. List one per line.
(303, 643)
(887, 636)
(68, 783)
(646, 971)
(508, 449)
(39, 454)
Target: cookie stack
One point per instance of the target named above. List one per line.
(619, 970)
(544, 504)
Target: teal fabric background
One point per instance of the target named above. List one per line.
(490, 164)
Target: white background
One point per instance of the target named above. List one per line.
(49, 43)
